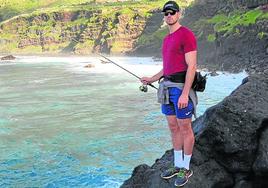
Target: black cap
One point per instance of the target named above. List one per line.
(171, 5)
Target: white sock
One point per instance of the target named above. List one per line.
(186, 161)
(178, 162)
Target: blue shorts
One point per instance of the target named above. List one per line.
(172, 107)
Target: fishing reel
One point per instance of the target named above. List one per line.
(144, 88)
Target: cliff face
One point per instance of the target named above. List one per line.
(83, 27)
(231, 144)
(110, 30)
(232, 35)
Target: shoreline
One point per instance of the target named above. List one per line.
(201, 67)
(154, 56)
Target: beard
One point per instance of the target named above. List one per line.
(172, 23)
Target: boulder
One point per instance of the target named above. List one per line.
(104, 62)
(9, 57)
(89, 66)
(213, 73)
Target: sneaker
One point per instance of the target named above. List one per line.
(183, 177)
(171, 172)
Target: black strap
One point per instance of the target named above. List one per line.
(178, 77)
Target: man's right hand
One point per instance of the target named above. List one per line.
(150, 80)
(146, 80)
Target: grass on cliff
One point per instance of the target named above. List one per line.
(228, 23)
(154, 38)
(11, 8)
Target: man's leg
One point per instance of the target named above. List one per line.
(176, 136)
(188, 139)
(188, 144)
(177, 142)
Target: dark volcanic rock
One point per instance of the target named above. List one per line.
(213, 73)
(89, 66)
(231, 144)
(103, 62)
(9, 57)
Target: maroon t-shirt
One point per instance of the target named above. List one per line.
(174, 48)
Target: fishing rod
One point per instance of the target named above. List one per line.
(143, 87)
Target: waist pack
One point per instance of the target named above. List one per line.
(199, 83)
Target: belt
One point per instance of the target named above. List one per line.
(178, 77)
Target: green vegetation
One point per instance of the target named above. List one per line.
(211, 38)
(264, 15)
(228, 23)
(56, 48)
(117, 46)
(84, 48)
(31, 49)
(146, 39)
(8, 47)
(261, 35)
(7, 36)
(10, 8)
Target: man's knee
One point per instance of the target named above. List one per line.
(185, 126)
(172, 123)
(173, 127)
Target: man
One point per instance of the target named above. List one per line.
(179, 52)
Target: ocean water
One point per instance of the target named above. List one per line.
(64, 125)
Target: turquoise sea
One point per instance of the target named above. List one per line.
(63, 125)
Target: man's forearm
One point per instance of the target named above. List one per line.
(157, 76)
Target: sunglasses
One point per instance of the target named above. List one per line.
(172, 13)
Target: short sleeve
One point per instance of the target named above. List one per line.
(190, 43)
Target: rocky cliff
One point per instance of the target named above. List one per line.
(232, 35)
(231, 144)
(81, 29)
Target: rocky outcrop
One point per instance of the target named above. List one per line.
(89, 66)
(231, 144)
(8, 57)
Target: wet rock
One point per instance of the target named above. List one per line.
(213, 73)
(89, 66)
(260, 165)
(9, 57)
(103, 62)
